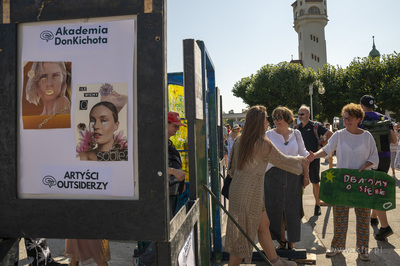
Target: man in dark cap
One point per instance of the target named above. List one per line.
(175, 172)
(367, 103)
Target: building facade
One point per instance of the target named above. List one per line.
(310, 18)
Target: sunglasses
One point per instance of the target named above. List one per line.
(301, 114)
(277, 118)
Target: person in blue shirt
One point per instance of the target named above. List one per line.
(367, 103)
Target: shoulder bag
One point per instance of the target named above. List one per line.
(228, 178)
(225, 187)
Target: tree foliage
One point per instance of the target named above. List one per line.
(331, 102)
(274, 85)
(390, 95)
(288, 85)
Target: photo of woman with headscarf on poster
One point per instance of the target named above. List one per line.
(46, 100)
(102, 139)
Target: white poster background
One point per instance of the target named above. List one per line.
(110, 61)
(198, 86)
(186, 255)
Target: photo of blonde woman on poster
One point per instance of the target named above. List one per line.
(46, 99)
(101, 122)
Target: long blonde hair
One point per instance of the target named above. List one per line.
(254, 129)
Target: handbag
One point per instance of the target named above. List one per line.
(225, 187)
(228, 178)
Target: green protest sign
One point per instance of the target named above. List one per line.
(368, 189)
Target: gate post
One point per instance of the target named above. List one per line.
(197, 136)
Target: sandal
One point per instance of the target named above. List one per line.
(282, 245)
(291, 246)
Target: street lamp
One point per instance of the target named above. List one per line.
(336, 122)
(310, 88)
(321, 90)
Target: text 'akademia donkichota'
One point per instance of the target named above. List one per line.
(78, 36)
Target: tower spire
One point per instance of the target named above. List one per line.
(374, 52)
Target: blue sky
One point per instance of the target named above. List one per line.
(242, 36)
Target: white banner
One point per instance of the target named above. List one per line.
(77, 109)
(186, 256)
(94, 181)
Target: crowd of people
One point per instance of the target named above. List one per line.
(283, 159)
(270, 166)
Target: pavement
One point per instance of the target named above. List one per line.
(316, 236)
(317, 233)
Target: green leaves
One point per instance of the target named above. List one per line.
(274, 85)
(287, 84)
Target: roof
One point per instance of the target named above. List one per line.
(298, 61)
(374, 52)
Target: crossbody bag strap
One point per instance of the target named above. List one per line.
(231, 157)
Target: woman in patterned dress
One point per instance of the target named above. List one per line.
(249, 158)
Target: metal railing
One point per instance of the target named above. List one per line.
(237, 225)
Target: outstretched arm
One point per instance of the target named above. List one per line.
(319, 154)
(306, 179)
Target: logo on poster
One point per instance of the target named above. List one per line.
(46, 35)
(49, 180)
(113, 155)
(76, 180)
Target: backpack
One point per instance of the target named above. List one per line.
(380, 131)
(319, 139)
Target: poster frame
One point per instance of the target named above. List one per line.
(146, 218)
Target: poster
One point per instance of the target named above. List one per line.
(186, 255)
(176, 103)
(77, 109)
(46, 98)
(101, 122)
(176, 99)
(367, 189)
(198, 86)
